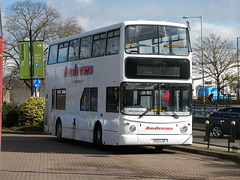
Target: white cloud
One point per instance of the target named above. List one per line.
(84, 1)
(226, 32)
(218, 16)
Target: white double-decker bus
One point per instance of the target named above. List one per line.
(125, 84)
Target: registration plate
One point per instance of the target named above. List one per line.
(159, 141)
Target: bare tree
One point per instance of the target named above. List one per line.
(45, 23)
(219, 58)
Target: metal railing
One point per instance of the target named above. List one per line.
(203, 129)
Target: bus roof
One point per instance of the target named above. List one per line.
(115, 26)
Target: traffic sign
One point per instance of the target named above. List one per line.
(38, 56)
(37, 82)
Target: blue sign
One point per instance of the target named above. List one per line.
(37, 82)
(36, 65)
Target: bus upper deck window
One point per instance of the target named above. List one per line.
(62, 52)
(52, 58)
(86, 46)
(113, 42)
(98, 45)
(73, 51)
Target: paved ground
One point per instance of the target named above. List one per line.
(41, 157)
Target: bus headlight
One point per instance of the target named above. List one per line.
(184, 129)
(132, 128)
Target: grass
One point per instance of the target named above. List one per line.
(25, 128)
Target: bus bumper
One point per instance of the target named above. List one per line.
(155, 140)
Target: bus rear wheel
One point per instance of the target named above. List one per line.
(59, 130)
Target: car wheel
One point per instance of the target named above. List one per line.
(217, 131)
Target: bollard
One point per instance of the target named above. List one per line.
(232, 131)
(207, 135)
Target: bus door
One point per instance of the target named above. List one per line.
(50, 108)
(52, 115)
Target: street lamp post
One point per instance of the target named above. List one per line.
(238, 70)
(201, 18)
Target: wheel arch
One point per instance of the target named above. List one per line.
(96, 126)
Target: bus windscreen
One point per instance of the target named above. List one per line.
(149, 39)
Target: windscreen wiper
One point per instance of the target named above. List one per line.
(171, 110)
(143, 114)
(174, 114)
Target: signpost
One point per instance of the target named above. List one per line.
(36, 59)
(24, 60)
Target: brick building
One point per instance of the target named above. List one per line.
(16, 91)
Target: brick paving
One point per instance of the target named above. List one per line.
(42, 157)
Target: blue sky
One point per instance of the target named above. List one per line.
(221, 17)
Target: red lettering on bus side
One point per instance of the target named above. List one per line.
(86, 70)
(91, 70)
(75, 70)
(81, 71)
(66, 71)
(70, 72)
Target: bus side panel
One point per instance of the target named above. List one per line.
(110, 138)
(111, 128)
(49, 117)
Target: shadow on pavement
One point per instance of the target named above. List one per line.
(49, 144)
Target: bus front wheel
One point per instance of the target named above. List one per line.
(98, 137)
(159, 148)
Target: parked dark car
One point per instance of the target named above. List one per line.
(221, 121)
(201, 112)
(200, 115)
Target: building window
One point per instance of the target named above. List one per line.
(208, 82)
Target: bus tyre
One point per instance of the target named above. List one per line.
(98, 136)
(217, 131)
(59, 130)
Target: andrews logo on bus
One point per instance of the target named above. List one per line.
(158, 128)
(77, 71)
